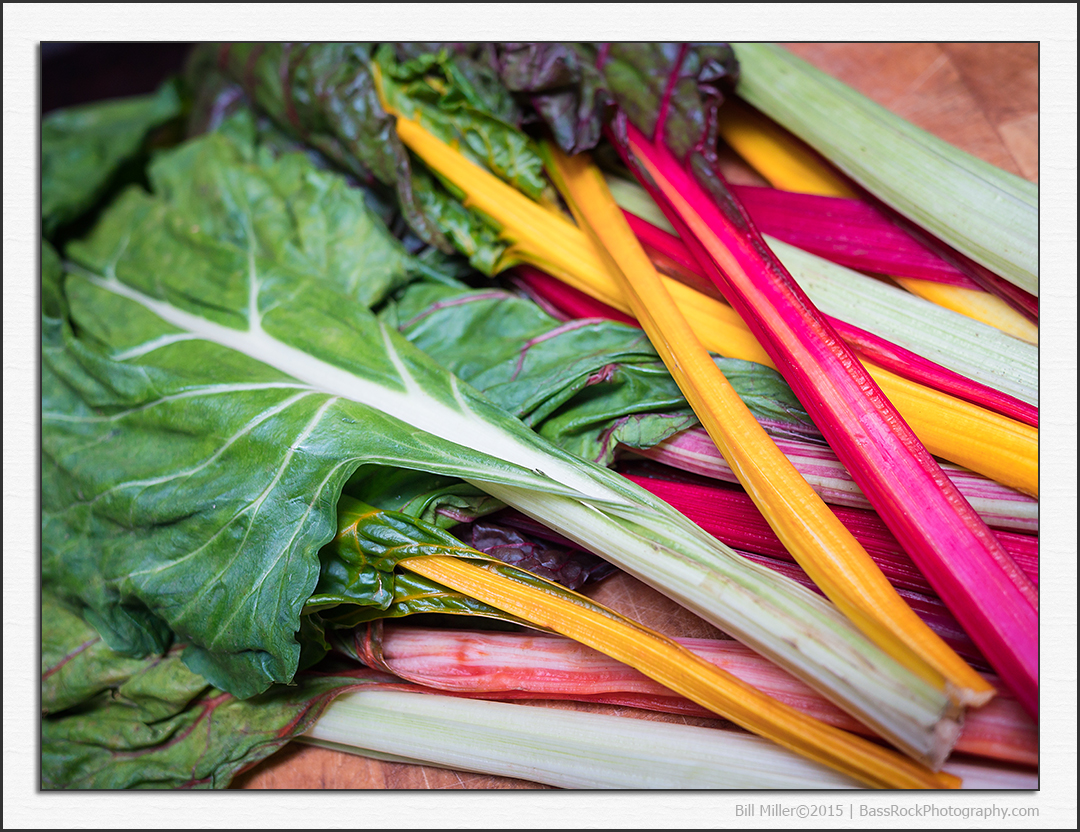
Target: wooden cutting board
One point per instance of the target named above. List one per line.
(980, 97)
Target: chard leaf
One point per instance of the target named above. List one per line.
(566, 566)
(76, 665)
(470, 234)
(574, 85)
(214, 388)
(439, 501)
(324, 95)
(360, 580)
(682, 84)
(588, 386)
(563, 85)
(114, 722)
(669, 89)
(84, 148)
(433, 90)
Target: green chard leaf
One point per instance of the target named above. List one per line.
(114, 722)
(361, 581)
(216, 385)
(569, 381)
(586, 385)
(84, 148)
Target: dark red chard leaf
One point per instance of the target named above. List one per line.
(563, 85)
(572, 87)
(670, 91)
(568, 565)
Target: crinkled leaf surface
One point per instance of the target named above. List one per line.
(573, 85)
(587, 385)
(563, 84)
(432, 89)
(579, 89)
(324, 95)
(82, 148)
(211, 385)
(360, 579)
(114, 722)
(439, 501)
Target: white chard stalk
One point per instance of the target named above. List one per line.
(563, 748)
(582, 750)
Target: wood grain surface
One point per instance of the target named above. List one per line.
(982, 97)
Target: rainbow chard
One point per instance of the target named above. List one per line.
(971, 572)
(526, 224)
(213, 376)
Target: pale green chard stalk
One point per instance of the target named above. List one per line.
(580, 750)
(966, 346)
(562, 748)
(987, 213)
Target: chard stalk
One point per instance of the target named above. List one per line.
(561, 748)
(986, 213)
(822, 545)
(967, 347)
(574, 750)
